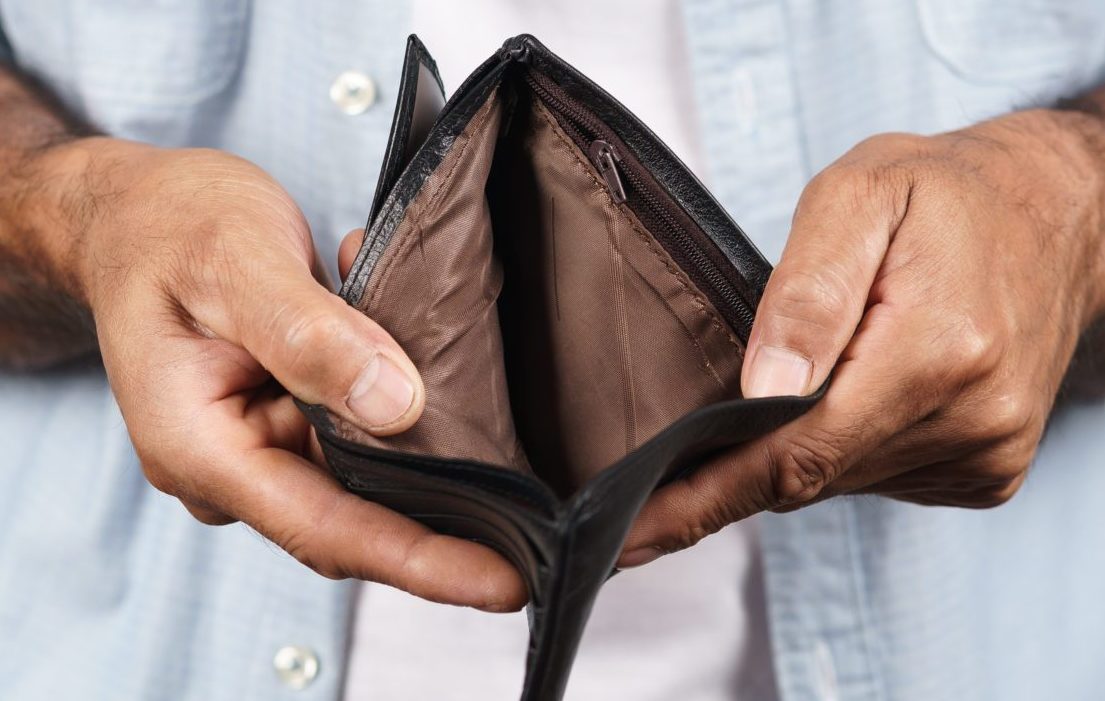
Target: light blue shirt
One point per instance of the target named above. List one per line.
(109, 590)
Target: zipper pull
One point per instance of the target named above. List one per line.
(606, 159)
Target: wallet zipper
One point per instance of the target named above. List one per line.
(596, 140)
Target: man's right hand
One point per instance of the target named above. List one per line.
(200, 273)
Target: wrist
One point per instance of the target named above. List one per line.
(1070, 157)
(1084, 152)
(77, 188)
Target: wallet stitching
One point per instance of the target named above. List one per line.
(661, 256)
(707, 364)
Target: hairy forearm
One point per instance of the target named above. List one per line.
(1085, 378)
(42, 321)
(1084, 117)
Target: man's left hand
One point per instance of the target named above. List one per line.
(945, 282)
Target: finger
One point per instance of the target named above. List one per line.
(816, 296)
(880, 389)
(982, 497)
(301, 508)
(341, 535)
(971, 438)
(179, 386)
(947, 477)
(924, 446)
(319, 348)
(681, 513)
(347, 251)
(208, 516)
(978, 475)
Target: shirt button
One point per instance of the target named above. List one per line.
(297, 666)
(353, 92)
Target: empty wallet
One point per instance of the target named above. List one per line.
(578, 306)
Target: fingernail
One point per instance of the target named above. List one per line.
(382, 393)
(640, 556)
(777, 372)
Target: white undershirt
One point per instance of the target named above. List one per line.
(690, 626)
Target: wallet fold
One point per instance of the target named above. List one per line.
(578, 305)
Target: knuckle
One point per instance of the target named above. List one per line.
(999, 466)
(309, 538)
(891, 143)
(207, 516)
(814, 301)
(803, 469)
(1007, 491)
(867, 176)
(304, 547)
(706, 503)
(861, 183)
(971, 347)
(326, 570)
(821, 186)
(689, 534)
(1007, 469)
(304, 333)
(1012, 460)
(416, 570)
(156, 474)
(998, 494)
(159, 481)
(839, 182)
(1008, 417)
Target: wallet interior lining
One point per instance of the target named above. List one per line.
(553, 331)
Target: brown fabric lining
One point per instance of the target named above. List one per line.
(434, 290)
(605, 341)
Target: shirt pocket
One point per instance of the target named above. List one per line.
(155, 53)
(1016, 42)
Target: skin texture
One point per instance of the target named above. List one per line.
(198, 275)
(945, 282)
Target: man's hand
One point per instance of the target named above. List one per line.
(200, 274)
(945, 282)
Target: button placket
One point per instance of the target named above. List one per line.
(749, 113)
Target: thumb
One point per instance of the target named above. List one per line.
(816, 296)
(347, 251)
(318, 347)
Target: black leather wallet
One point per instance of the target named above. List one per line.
(578, 306)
